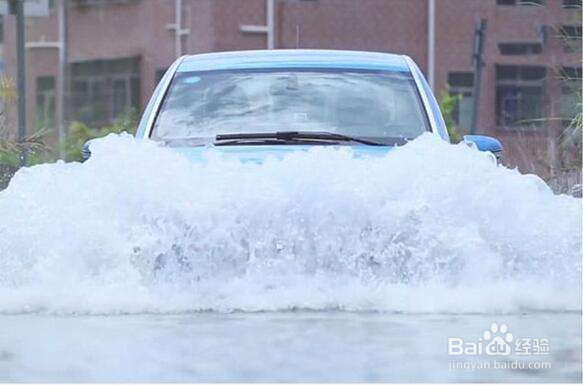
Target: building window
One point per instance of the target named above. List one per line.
(532, 2)
(460, 84)
(160, 74)
(570, 35)
(571, 78)
(102, 2)
(45, 102)
(572, 4)
(102, 90)
(520, 48)
(519, 95)
(570, 73)
(521, 2)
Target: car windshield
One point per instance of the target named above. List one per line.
(379, 105)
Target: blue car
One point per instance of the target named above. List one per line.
(253, 104)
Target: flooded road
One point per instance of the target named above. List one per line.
(286, 346)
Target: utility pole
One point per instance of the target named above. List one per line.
(431, 43)
(270, 10)
(17, 9)
(479, 39)
(61, 78)
(62, 84)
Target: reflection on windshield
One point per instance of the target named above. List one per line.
(357, 103)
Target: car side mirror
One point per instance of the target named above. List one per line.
(485, 143)
(86, 151)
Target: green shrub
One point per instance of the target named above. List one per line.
(448, 104)
(79, 133)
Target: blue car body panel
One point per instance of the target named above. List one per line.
(484, 143)
(258, 154)
(293, 59)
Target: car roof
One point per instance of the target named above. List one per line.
(296, 58)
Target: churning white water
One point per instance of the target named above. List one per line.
(430, 227)
(143, 265)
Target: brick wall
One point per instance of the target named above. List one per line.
(140, 29)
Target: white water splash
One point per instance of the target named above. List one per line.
(430, 227)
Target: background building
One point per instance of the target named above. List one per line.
(116, 51)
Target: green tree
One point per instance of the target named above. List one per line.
(12, 150)
(448, 104)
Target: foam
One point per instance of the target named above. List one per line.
(430, 227)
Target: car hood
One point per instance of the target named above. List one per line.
(258, 154)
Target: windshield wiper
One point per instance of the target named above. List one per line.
(291, 136)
